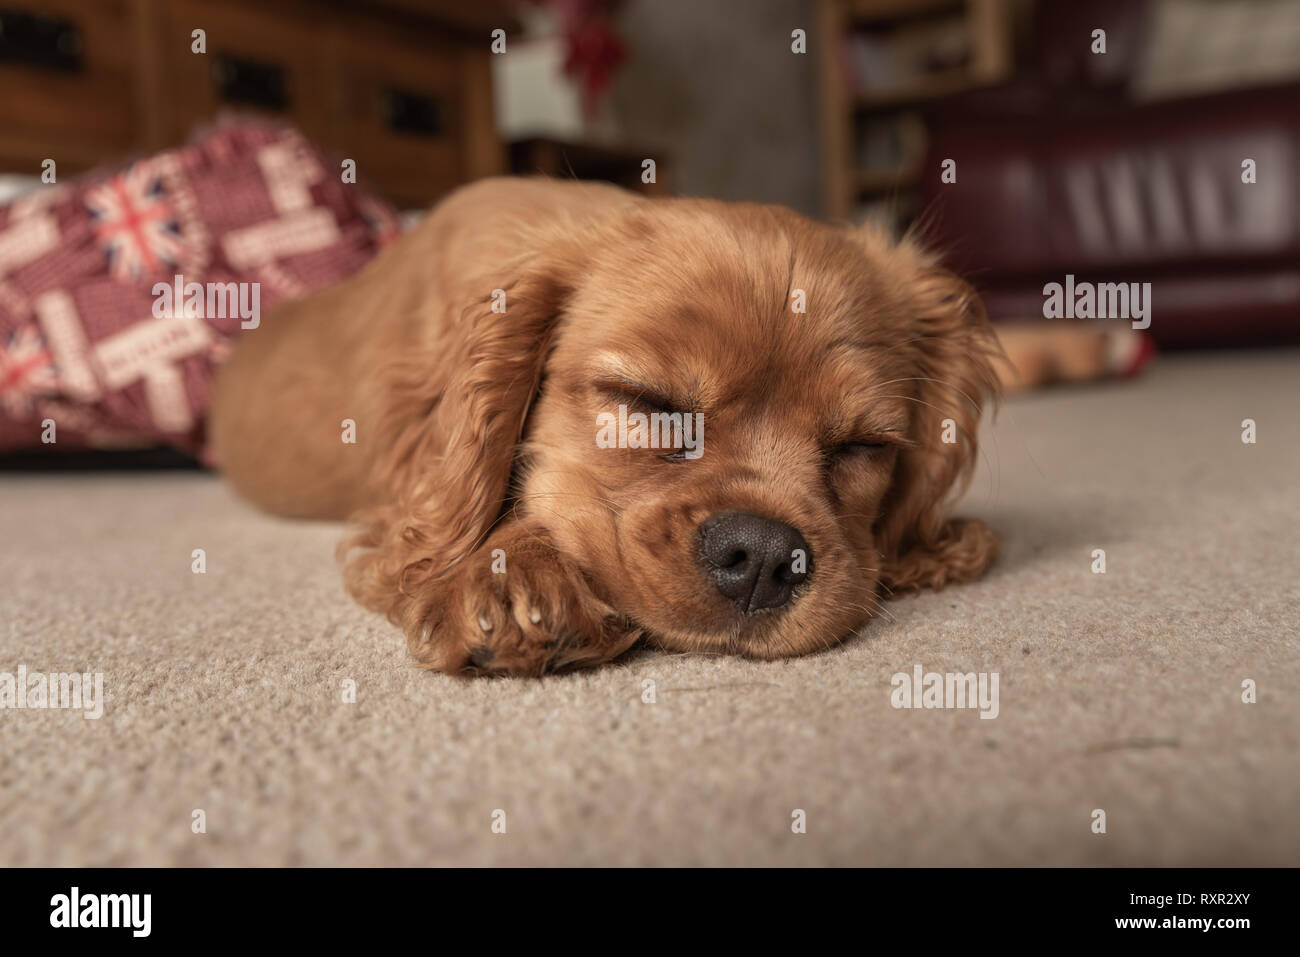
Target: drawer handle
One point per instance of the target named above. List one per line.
(38, 41)
(414, 113)
(256, 83)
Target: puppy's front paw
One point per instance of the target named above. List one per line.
(536, 616)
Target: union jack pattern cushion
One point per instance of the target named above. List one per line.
(84, 343)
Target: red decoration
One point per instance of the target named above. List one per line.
(594, 49)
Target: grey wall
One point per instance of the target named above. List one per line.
(713, 83)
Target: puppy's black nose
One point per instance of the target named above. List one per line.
(754, 561)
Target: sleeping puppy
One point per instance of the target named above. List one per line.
(582, 418)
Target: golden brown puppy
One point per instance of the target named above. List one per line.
(812, 393)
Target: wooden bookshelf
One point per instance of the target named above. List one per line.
(859, 115)
(925, 89)
(876, 181)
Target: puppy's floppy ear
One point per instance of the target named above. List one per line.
(452, 421)
(953, 349)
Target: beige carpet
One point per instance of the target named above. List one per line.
(1119, 691)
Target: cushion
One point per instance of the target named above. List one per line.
(97, 349)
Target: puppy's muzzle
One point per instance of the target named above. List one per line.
(755, 562)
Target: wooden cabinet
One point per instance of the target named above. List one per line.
(401, 87)
(259, 60)
(402, 109)
(911, 52)
(66, 72)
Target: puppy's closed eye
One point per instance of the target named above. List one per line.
(866, 448)
(646, 397)
(858, 448)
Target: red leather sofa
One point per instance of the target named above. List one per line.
(1059, 172)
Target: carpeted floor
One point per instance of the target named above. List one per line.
(1118, 691)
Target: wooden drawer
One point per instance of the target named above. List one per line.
(259, 60)
(399, 110)
(67, 77)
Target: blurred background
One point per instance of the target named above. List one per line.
(1106, 140)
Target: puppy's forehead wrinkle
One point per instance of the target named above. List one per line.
(741, 252)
